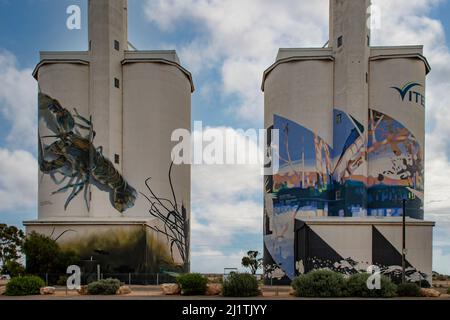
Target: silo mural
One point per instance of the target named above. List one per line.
(396, 168)
(72, 161)
(316, 180)
(72, 157)
(349, 158)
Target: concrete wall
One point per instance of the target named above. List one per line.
(107, 23)
(157, 100)
(396, 72)
(419, 245)
(69, 84)
(302, 91)
(375, 243)
(348, 19)
(117, 246)
(353, 241)
(396, 142)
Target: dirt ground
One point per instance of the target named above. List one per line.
(154, 292)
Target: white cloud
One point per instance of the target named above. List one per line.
(18, 183)
(18, 102)
(226, 204)
(241, 39)
(18, 167)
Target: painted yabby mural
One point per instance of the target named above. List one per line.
(72, 157)
(357, 176)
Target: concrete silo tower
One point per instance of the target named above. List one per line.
(106, 180)
(351, 125)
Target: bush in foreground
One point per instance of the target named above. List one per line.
(319, 283)
(240, 285)
(356, 286)
(104, 287)
(192, 284)
(408, 290)
(23, 286)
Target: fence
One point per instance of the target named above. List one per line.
(127, 278)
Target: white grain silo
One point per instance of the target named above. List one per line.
(351, 148)
(105, 123)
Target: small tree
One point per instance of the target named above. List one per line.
(43, 255)
(11, 239)
(252, 261)
(14, 268)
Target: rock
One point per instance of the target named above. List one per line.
(2, 290)
(3, 283)
(48, 290)
(429, 293)
(83, 290)
(291, 292)
(213, 289)
(124, 290)
(170, 288)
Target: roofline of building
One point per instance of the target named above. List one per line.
(165, 61)
(86, 221)
(406, 47)
(327, 57)
(307, 51)
(82, 57)
(52, 61)
(403, 56)
(413, 51)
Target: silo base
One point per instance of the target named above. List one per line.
(350, 245)
(122, 248)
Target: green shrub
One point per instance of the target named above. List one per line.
(408, 290)
(192, 284)
(240, 285)
(23, 286)
(104, 287)
(448, 290)
(319, 283)
(356, 286)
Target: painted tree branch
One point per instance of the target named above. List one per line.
(173, 218)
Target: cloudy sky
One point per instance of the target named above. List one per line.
(226, 44)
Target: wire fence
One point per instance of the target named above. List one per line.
(126, 278)
(60, 279)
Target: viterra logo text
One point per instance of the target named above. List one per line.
(413, 96)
